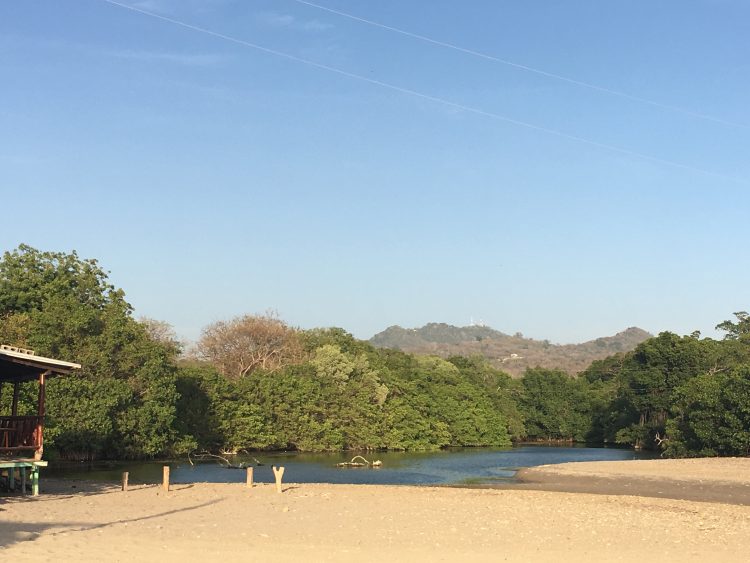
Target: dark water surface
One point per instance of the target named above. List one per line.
(456, 466)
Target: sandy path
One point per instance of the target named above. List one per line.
(364, 523)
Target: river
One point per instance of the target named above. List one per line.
(454, 466)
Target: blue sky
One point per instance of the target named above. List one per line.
(214, 179)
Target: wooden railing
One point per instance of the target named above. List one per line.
(19, 433)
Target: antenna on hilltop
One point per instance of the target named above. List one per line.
(479, 323)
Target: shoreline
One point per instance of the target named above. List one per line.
(89, 521)
(643, 478)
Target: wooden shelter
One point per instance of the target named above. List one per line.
(22, 437)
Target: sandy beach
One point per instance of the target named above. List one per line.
(721, 480)
(78, 521)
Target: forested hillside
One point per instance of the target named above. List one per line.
(513, 354)
(253, 382)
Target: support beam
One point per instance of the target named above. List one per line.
(35, 482)
(40, 413)
(42, 393)
(14, 406)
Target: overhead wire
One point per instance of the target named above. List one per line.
(421, 95)
(526, 68)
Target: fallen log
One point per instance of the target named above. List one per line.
(227, 464)
(363, 463)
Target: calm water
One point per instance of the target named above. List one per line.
(458, 466)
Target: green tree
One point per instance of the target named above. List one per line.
(738, 330)
(556, 406)
(650, 376)
(64, 306)
(500, 388)
(711, 416)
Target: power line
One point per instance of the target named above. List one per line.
(527, 68)
(442, 101)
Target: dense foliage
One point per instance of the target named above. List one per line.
(346, 395)
(123, 402)
(256, 383)
(687, 395)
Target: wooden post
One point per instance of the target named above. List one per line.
(40, 409)
(40, 413)
(14, 405)
(249, 477)
(125, 481)
(165, 479)
(35, 481)
(278, 472)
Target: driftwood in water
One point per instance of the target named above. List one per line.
(363, 463)
(228, 464)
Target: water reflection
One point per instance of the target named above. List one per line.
(454, 466)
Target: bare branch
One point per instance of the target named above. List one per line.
(244, 344)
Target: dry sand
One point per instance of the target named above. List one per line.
(223, 522)
(723, 480)
(726, 470)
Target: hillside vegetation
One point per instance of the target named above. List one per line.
(513, 354)
(256, 383)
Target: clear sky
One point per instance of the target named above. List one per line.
(214, 179)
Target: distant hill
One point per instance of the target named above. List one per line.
(512, 354)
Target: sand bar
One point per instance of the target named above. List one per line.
(723, 469)
(220, 522)
(724, 480)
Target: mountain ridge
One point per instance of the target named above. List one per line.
(511, 353)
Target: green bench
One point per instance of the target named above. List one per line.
(28, 473)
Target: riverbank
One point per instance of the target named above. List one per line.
(723, 480)
(80, 521)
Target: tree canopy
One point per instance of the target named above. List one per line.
(122, 404)
(241, 345)
(257, 383)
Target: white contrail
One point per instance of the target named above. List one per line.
(527, 68)
(423, 96)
